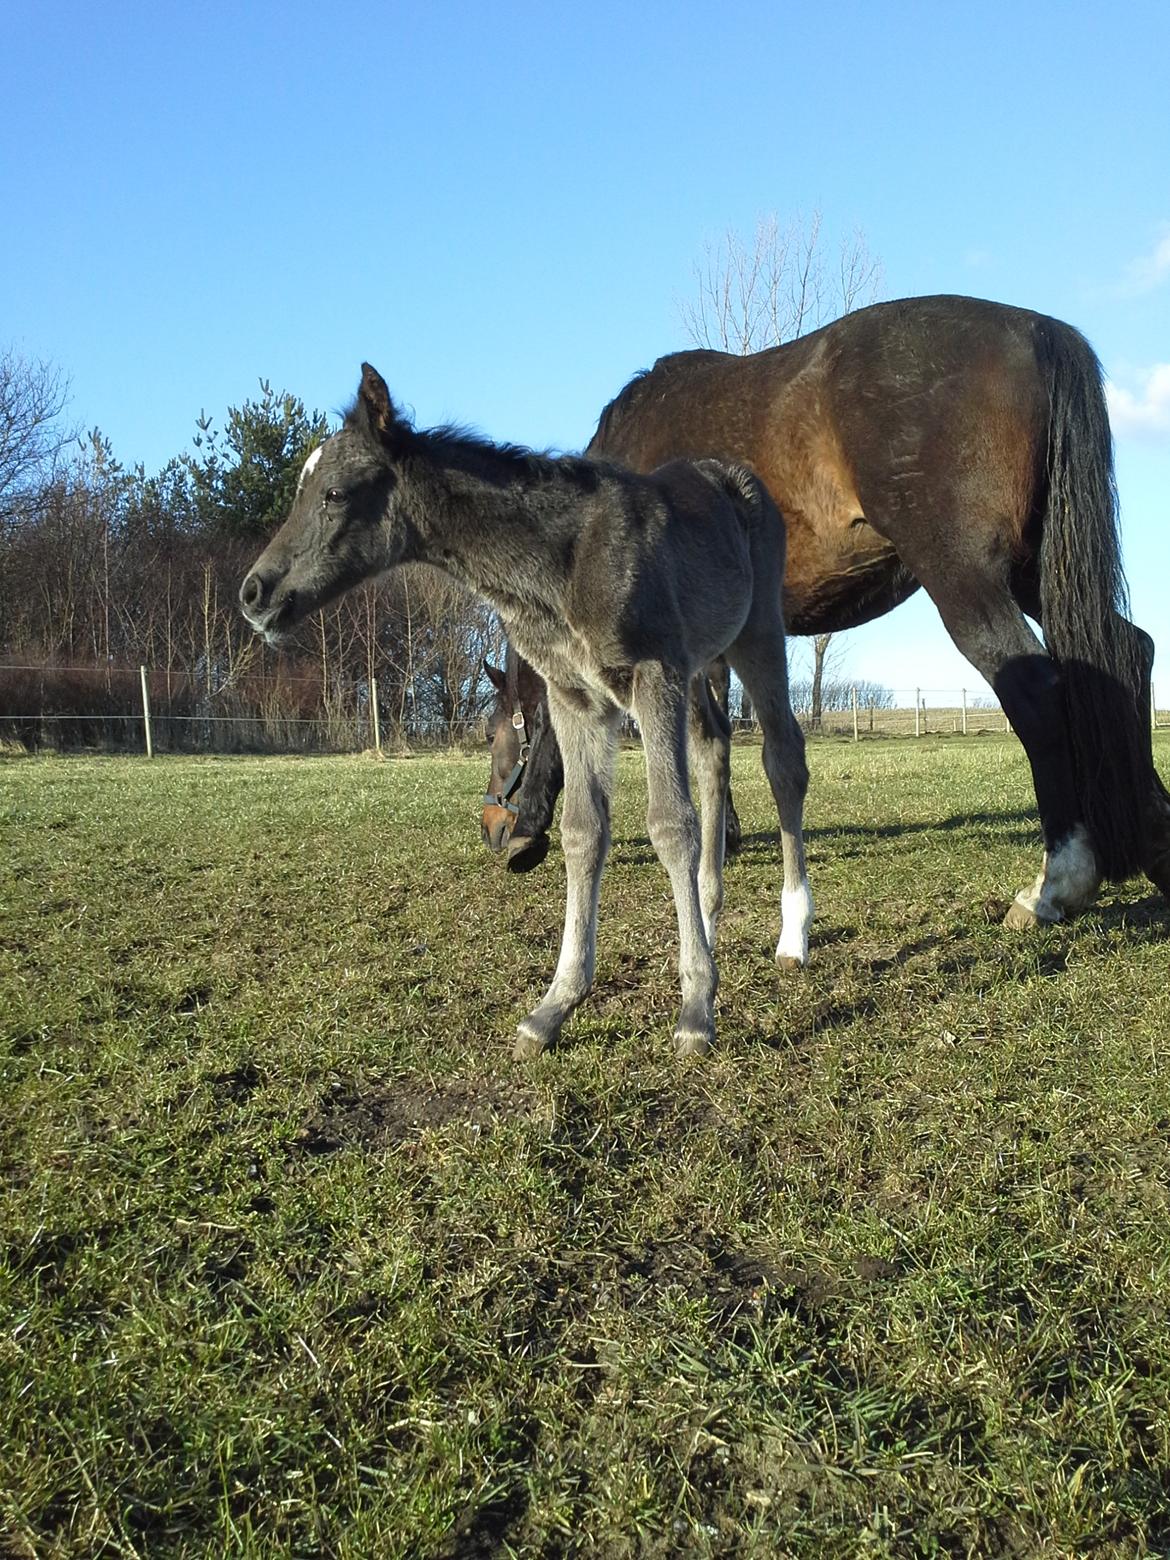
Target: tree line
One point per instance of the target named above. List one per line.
(105, 567)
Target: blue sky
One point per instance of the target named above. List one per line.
(503, 207)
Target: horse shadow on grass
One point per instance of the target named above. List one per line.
(636, 850)
(1142, 922)
(1020, 827)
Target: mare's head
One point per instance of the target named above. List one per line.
(511, 728)
(347, 520)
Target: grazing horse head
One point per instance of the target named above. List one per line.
(511, 729)
(346, 523)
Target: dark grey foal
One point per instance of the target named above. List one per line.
(620, 589)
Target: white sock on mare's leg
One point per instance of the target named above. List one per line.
(1068, 881)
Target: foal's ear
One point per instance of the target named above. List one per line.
(380, 409)
(496, 677)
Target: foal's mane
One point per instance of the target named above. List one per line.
(464, 449)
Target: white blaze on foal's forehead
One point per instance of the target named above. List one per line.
(309, 465)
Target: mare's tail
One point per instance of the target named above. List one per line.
(1083, 601)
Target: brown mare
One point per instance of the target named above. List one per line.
(964, 447)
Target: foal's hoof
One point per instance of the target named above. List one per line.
(528, 1046)
(692, 1044)
(524, 854)
(787, 961)
(1022, 917)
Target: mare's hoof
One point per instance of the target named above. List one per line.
(528, 1046)
(786, 961)
(1022, 918)
(1157, 868)
(524, 854)
(692, 1044)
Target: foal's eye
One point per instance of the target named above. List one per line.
(334, 496)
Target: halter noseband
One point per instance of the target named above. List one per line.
(516, 778)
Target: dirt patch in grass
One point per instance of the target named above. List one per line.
(373, 1114)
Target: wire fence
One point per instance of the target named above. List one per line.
(182, 711)
(121, 708)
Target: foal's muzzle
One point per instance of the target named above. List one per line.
(267, 617)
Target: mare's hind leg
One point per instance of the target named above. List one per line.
(1156, 859)
(711, 758)
(759, 658)
(588, 741)
(660, 707)
(988, 626)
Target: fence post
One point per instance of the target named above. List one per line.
(374, 713)
(964, 712)
(853, 693)
(146, 712)
(917, 712)
(1153, 709)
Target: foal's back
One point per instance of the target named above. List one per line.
(665, 567)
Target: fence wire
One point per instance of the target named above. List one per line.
(176, 711)
(181, 710)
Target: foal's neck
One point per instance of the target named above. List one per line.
(502, 522)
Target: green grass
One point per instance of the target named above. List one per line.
(295, 1261)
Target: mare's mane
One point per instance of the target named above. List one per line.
(628, 397)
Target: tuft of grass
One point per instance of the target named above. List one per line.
(295, 1260)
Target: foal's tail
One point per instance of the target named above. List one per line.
(1084, 603)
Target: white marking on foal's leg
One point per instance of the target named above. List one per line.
(711, 875)
(573, 979)
(587, 744)
(796, 913)
(1067, 883)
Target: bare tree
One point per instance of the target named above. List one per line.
(816, 685)
(32, 397)
(782, 283)
(820, 647)
(454, 631)
(785, 282)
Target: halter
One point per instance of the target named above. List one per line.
(516, 778)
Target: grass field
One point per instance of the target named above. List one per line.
(295, 1261)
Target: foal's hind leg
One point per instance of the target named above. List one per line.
(660, 704)
(587, 742)
(711, 758)
(719, 678)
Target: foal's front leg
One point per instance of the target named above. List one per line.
(587, 743)
(660, 705)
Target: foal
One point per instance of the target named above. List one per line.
(620, 589)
